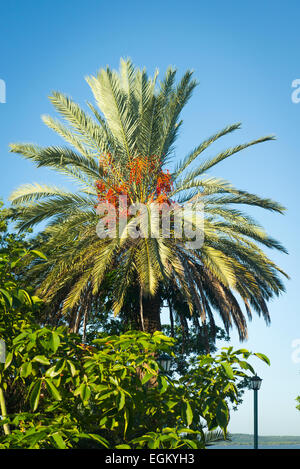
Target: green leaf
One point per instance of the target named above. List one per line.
(35, 395)
(25, 369)
(52, 372)
(53, 390)
(7, 297)
(60, 365)
(8, 360)
(72, 368)
(126, 420)
(246, 366)
(263, 358)
(147, 377)
(41, 359)
(192, 444)
(100, 440)
(188, 413)
(242, 351)
(23, 297)
(228, 370)
(38, 254)
(121, 400)
(163, 384)
(59, 441)
(54, 341)
(35, 299)
(85, 392)
(222, 415)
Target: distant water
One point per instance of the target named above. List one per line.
(250, 447)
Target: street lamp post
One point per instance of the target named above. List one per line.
(255, 383)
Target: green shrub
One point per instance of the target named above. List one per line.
(112, 394)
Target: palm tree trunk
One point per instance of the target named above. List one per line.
(206, 341)
(78, 321)
(141, 310)
(151, 314)
(171, 317)
(85, 318)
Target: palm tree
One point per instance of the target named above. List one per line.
(123, 148)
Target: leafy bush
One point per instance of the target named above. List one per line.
(112, 394)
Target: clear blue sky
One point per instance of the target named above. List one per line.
(245, 56)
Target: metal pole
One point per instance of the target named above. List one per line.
(255, 421)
